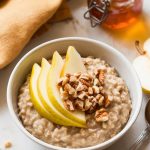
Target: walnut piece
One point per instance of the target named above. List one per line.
(82, 96)
(84, 82)
(88, 104)
(101, 101)
(90, 91)
(96, 82)
(96, 89)
(79, 104)
(69, 105)
(69, 89)
(81, 87)
(84, 76)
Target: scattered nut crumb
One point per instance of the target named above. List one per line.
(8, 144)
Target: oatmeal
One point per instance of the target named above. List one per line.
(112, 113)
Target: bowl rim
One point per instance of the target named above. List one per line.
(101, 145)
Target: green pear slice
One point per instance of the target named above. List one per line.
(42, 91)
(142, 67)
(53, 91)
(34, 93)
(73, 62)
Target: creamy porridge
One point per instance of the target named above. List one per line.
(96, 132)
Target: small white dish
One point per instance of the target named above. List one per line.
(86, 47)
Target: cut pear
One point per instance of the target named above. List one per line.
(34, 93)
(58, 118)
(53, 91)
(142, 67)
(73, 62)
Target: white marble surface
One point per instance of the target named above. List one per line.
(122, 40)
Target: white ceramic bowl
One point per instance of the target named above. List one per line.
(85, 47)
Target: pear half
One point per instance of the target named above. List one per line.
(73, 62)
(142, 67)
(53, 91)
(58, 118)
(34, 93)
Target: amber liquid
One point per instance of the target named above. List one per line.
(121, 13)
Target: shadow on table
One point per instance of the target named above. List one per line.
(4, 76)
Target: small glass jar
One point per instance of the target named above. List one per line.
(114, 14)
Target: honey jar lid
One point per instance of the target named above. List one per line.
(97, 11)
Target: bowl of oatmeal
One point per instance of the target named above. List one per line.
(74, 93)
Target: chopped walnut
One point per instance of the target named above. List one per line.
(73, 79)
(65, 80)
(98, 96)
(81, 91)
(101, 101)
(81, 87)
(90, 91)
(84, 77)
(96, 89)
(82, 95)
(96, 82)
(64, 95)
(60, 82)
(90, 98)
(101, 115)
(88, 104)
(69, 89)
(69, 105)
(94, 102)
(79, 104)
(91, 109)
(68, 75)
(84, 82)
(77, 74)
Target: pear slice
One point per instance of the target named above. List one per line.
(142, 67)
(73, 62)
(53, 91)
(34, 93)
(42, 91)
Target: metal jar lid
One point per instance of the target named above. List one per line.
(100, 7)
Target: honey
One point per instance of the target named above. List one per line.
(118, 14)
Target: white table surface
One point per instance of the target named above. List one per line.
(121, 40)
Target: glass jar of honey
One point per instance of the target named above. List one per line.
(114, 14)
